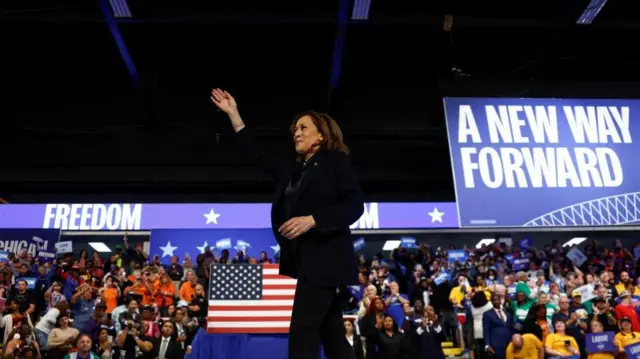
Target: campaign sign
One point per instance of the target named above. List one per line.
(600, 342)
(37, 242)
(545, 162)
(458, 255)
(166, 243)
(633, 351)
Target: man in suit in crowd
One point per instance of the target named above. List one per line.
(166, 347)
(497, 327)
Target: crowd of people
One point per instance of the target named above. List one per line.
(87, 307)
(501, 301)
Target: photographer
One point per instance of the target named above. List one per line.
(132, 339)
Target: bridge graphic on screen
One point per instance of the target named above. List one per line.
(606, 211)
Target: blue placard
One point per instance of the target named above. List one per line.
(408, 243)
(551, 159)
(4, 256)
(359, 244)
(633, 351)
(457, 255)
(37, 242)
(600, 342)
(520, 264)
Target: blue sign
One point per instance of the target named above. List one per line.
(600, 342)
(457, 255)
(37, 242)
(633, 351)
(545, 162)
(166, 243)
(31, 282)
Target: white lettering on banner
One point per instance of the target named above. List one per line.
(369, 219)
(17, 246)
(539, 166)
(93, 216)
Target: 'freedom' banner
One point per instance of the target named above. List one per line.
(545, 162)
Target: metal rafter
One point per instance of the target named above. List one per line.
(120, 43)
(338, 47)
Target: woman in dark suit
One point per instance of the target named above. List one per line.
(317, 198)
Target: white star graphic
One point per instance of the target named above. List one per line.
(436, 216)
(276, 248)
(167, 251)
(212, 217)
(204, 246)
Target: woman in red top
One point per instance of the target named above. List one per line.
(625, 309)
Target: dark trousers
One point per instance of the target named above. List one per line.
(317, 318)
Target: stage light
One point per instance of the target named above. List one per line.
(391, 245)
(574, 241)
(100, 247)
(485, 242)
(591, 11)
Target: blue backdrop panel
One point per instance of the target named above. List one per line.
(169, 242)
(241, 346)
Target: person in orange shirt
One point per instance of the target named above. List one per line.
(188, 288)
(526, 346)
(164, 291)
(110, 294)
(597, 327)
(626, 336)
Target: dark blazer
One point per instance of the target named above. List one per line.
(331, 194)
(428, 345)
(497, 333)
(174, 350)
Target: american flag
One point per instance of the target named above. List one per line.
(249, 298)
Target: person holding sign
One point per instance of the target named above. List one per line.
(626, 336)
(526, 346)
(559, 344)
(598, 342)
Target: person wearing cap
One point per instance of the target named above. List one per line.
(626, 309)
(602, 313)
(626, 336)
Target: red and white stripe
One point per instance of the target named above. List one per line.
(271, 314)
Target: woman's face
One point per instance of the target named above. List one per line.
(64, 322)
(521, 297)
(133, 306)
(348, 327)
(542, 312)
(388, 323)
(379, 305)
(103, 335)
(179, 316)
(560, 327)
(171, 309)
(306, 135)
(543, 298)
(596, 327)
(189, 275)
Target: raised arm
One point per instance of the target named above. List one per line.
(268, 164)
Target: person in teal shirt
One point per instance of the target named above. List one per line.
(521, 307)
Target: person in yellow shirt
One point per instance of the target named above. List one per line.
(625, 337)
(459, 292)
(597, 327)
(559, 344)
(525, 346)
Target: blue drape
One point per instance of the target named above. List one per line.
(245, 346)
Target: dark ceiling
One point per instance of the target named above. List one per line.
(80, 123)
